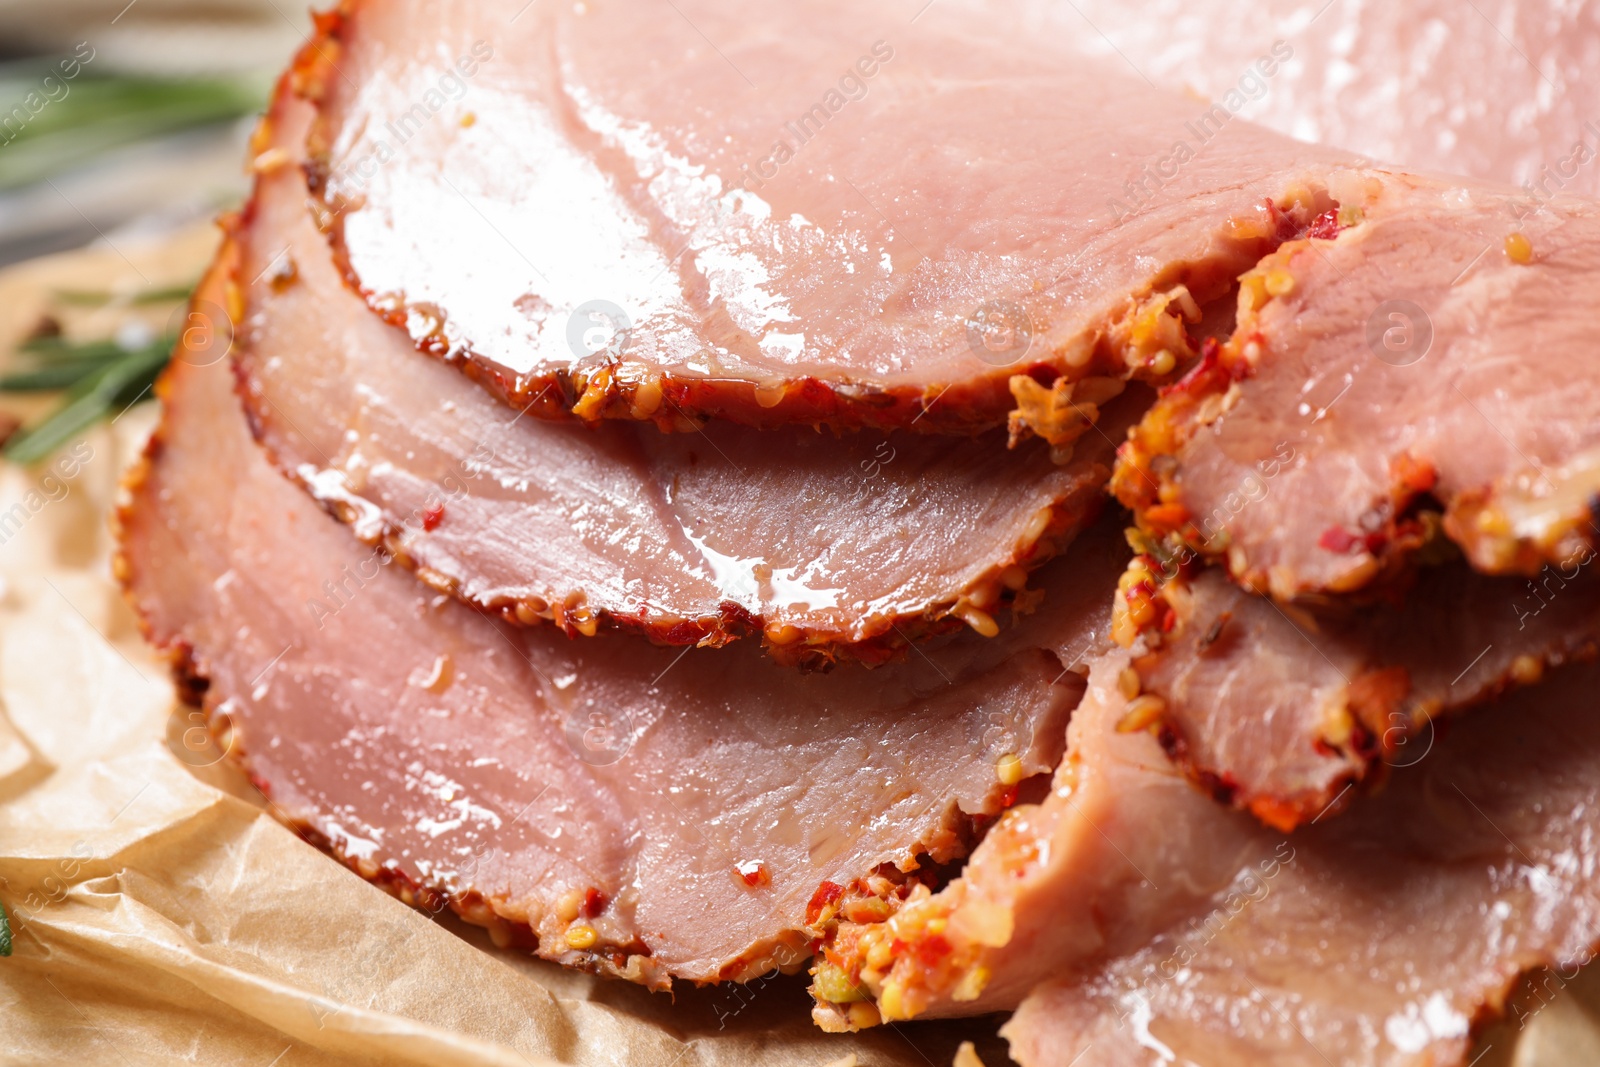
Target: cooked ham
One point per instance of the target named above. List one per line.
(643, 211)
(1155, 919)
(584, 208)
(811, 541)
(1380, 939)
(1280, 712)
(1429, 348)
(646, 812)
(1494, 89)
(1122, 848)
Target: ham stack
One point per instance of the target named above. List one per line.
(708, 488)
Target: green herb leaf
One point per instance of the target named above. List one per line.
(51, 363)
(61, 374)
(91, 398)
(100, 298)
(51, 348)
(5, 932)
(102, 113)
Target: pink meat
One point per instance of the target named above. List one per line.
(812, 541)
(1381, 939)
(1121, 848)
(1281, 712)
(1138, 922)
(792, 212)
(684, 805)
(1380, 377)
(1494, 89)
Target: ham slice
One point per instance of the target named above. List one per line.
(1138, 922)
(814, 212)
(1280, 712)
(1122, 848)
(812, 542)
(1381, 939)
(1390, 367)
(639, 811)
(1492, 90)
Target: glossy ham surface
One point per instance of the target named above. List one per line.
(645, 812)
(1130, 915)
(1281, 712)
(811, 212)
(1381, 939)
(1494, 89)
(818, 544)
(1405, 358)
(1121, 848)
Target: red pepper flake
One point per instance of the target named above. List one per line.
(1415, 475)
(1239, 368)
(1210, 357)
(828, 893)
(432, 516)
(736, 618)
(930, 950)
(1169, 617)
(752, 873)
(687, 632)
(1008, 796)
(817, 392)
(1325, 227)
(1283, 226)
(1337, 539)
(594, 902)
(1167, 516)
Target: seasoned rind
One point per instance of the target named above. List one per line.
(1282, 711)
(1404, 353)
(512, 772)
(819, 545)
(1125, 908)
(1389, 937)
(1015, 287)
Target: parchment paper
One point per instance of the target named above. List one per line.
(161, 916)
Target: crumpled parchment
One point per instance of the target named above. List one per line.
(160, 915)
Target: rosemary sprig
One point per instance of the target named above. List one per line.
(96, 386)
(45, 353)
(99, 298)
(100, 378)
(102, 113)
(63, 375)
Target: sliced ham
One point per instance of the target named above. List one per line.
(1122, 848)
(810, 541)
(645, 812)
(1381, 939)
(810, 212)
(1282, 711)
(1427, 351)
(1494, 89)
(1138, 922)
